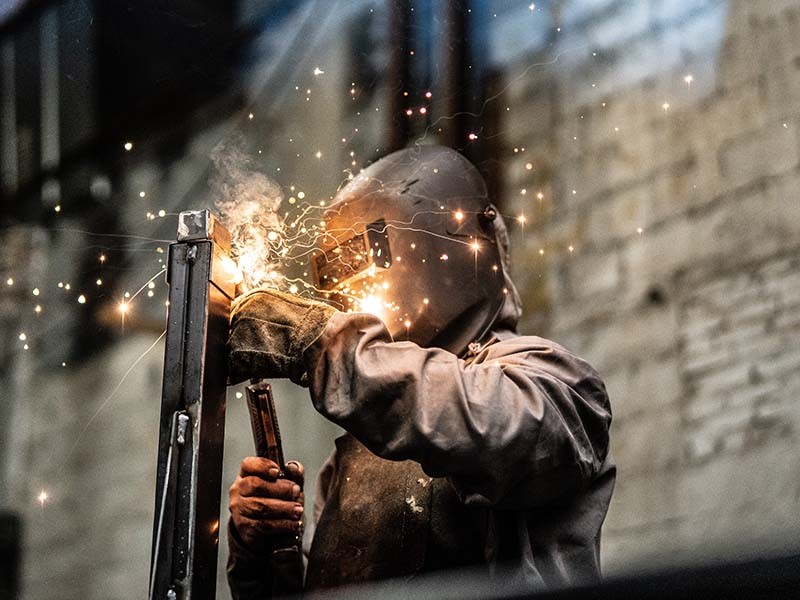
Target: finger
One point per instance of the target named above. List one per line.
(296, 472)
(267, 508)
(261, 467)
(281, 489)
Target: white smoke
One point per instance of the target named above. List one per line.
(247, 203)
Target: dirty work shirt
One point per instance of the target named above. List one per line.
(520, 432)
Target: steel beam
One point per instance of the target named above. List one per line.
(192, 428)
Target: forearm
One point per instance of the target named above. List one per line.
(493, 427)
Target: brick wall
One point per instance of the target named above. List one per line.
(664, 248)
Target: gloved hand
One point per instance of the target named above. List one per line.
(265, 507)
(270, 330)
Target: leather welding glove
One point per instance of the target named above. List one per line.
(270, 330)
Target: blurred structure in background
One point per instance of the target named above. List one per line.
(649, 151)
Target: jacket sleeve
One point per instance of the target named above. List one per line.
(249, 574)
(522, 424)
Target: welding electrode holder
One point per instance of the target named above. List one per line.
(286, 559)
(192, 425)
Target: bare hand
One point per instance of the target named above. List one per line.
(264, 506)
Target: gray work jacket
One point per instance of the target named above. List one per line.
(518, 432)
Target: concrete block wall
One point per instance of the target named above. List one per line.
(665, 248)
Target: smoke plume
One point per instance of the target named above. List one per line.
(247, 202)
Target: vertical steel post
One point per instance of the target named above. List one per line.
(186, 528)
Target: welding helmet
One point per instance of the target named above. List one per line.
(413, 239)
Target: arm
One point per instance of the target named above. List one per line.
(265, 509)
(525, 422)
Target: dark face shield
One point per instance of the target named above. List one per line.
(412, 240)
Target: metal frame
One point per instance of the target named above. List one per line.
(192, 429)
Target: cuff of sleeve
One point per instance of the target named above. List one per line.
(241, 552)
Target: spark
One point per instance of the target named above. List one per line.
(35, 291)
(42, 498)
(99, 282)
(114, 392)
(372, 305)
(475, 246)
(318, 154)
(38, 309)
(123, 307)
(540, 196)
(425, 301)
(665, 106)
(443, 257)
(531, 7)
(239, 394)
(81, 299)
(472, 137)
(639, 230)
(689, 79)
(57, 208)
(162, 213)
(250, 116)
(102, 258)
(318, 71)
(293, 289)
(571, 248)
(423, 110)
(407, 323)
(428, 95)
(22, 337)
(10, 281)
(522, 219)
(528, 166)
(459, 215)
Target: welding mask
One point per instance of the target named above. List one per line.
(413, 240)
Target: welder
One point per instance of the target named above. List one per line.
(467, 445)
